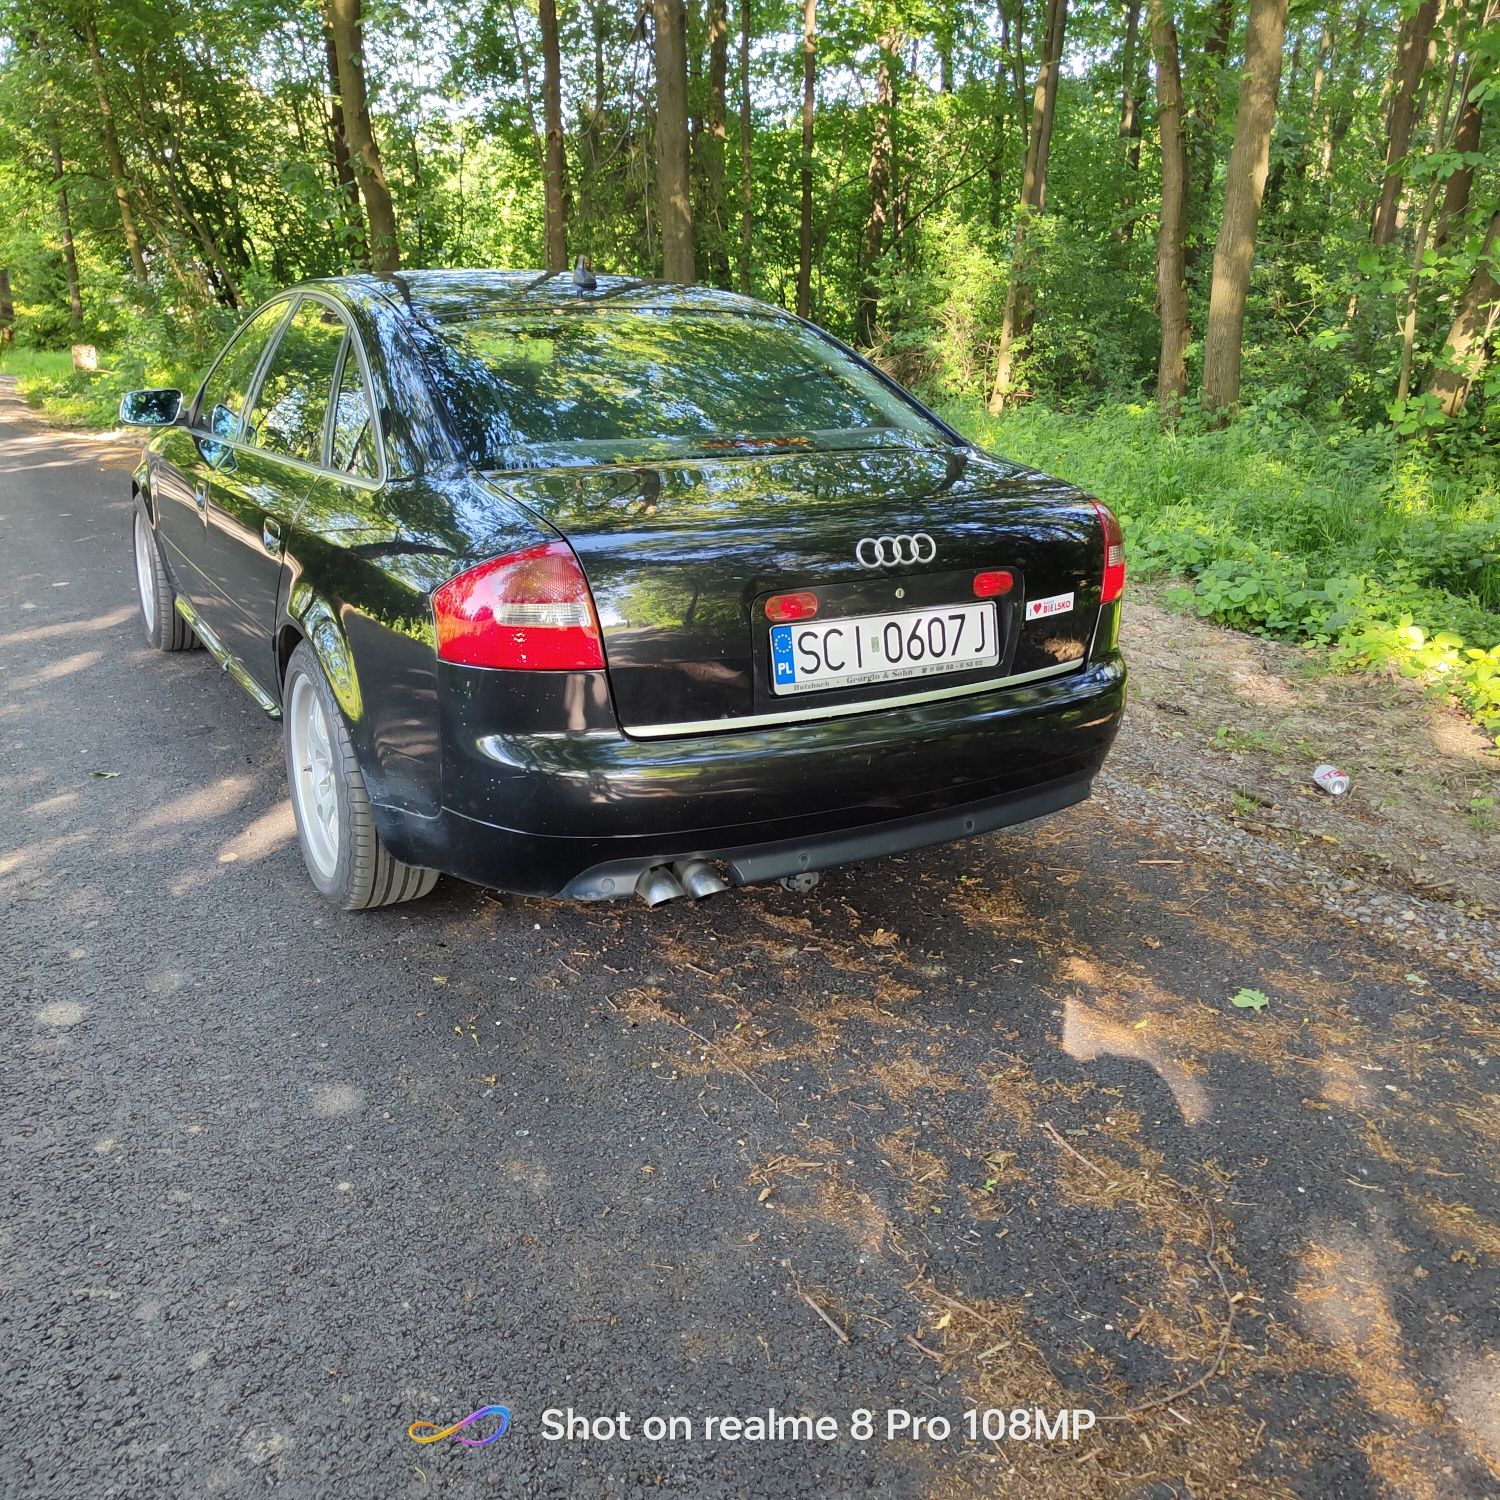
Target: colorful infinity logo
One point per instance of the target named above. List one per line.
(430, 1432)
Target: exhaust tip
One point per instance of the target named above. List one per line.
(698, 878)
(658, 885)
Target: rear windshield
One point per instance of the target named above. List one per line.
(541, 391)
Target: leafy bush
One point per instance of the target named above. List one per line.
(1386, 553)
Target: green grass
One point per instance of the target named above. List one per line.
(46, 378)
(31, 365)
(1379, 550)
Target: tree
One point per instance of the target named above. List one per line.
(1412, 43)
(338, 143)
(878, 178)
(1245, 185)
(113, 153)
(1466, 349)
(1171, 237)
(347, 30)
(1017, 319)
(805, 230)
(1130, 120)
(675, 205)
(716, 140)
(65, 234)
(747, 190)
(554, 158)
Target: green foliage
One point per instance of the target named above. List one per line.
(1347, 539)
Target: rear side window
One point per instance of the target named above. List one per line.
(353, 438)
(293, 402)
(221, 406)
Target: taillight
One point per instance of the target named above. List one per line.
(531, 610)
(783, 607)
(993, 583)
(1114, 554)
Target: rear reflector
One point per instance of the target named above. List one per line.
(530, 611)
(1114, 554)
(993, 584)
(783, 607)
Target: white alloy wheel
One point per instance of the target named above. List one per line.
(313, 776)
(145, 570)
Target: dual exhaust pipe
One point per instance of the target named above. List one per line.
(687, 877)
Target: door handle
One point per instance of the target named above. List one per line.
(270, 536)
(200, 497)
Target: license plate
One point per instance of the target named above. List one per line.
(822, 654)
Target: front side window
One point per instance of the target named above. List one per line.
(221, 405)
(612, 386)
(293, 402)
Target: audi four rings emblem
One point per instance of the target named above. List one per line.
(887, 551)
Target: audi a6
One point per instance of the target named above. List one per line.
(582, 586)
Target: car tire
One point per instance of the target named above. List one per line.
(166, 630)
(336, 830)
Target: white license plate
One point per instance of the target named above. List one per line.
(822, 654)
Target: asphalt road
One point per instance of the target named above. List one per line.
(978, 1126)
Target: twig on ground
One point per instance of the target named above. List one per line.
(1228, 1333)
(1051, 1130)
(842, 1336)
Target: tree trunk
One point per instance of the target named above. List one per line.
(113, 154)
(1245, 185)
(1016, 323)
(1171, 237)
(1466, 349)
(65, 230)
(554, 159)
(747, 193)
(675, 206)
(349, 51)
(1202, 121)
(7, 308)
(1466, 136)
(872, 242)
(1341, 116)
(1130, 120)
(716, 141)
(1013, 40)
(1424, 225)
(805, 232)
(1406, 78)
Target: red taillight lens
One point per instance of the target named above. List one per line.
(1114, 554)
(994, 583)
(783, 607)
(531, 610)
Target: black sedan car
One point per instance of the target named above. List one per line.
(582, 587)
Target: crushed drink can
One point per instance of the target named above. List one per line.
(1333, 781)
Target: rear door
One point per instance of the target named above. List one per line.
(253, 497)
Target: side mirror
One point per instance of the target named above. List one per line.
(158, 408)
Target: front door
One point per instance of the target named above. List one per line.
(253, 498)
(190, 457)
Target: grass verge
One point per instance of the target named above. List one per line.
(1379, 551)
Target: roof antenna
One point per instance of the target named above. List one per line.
(583, 276)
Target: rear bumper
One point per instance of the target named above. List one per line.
(581, 815)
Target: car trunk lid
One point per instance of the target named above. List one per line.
(681, 556)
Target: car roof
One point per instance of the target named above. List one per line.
(441, 295)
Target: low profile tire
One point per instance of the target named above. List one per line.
(335, 828)
(166, 630)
